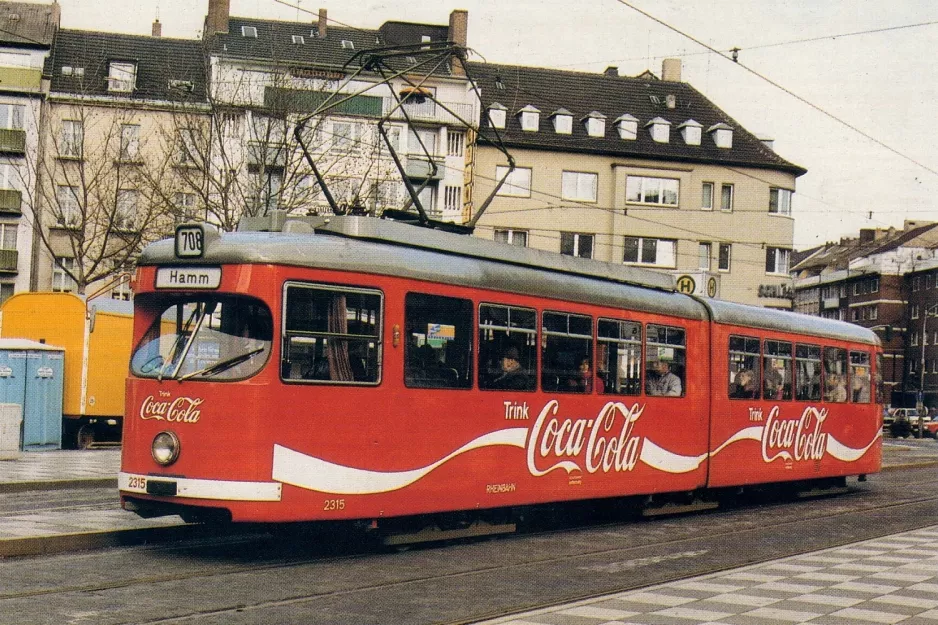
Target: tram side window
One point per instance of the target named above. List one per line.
(860, 377)
(507, 348)
(332, 335)
(439, 341)
(567, 357)
(807, 372)
(835, 375)
(777, 370)
(664, 360)
(744, 375)
(619, 357)
(878, 382)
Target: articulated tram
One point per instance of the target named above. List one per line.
(364, 369)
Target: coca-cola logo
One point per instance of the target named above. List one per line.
(794, 440)
(179, 410)
(605, 443)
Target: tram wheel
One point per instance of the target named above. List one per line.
(84, 439)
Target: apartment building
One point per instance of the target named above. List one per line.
(643, 171)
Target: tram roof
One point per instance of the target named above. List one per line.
(384, 247)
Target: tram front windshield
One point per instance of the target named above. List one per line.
(205, 338)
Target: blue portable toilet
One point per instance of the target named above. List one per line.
(32, 375)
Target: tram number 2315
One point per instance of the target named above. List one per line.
(330, 505)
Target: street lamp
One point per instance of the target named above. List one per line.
(927, 311)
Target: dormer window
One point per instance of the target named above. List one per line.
(627, 125)
(122, 76)
(348, 44)
(563, 121)
(530, 119)
(690, 131)
(722, 135)
(660, 129)
(249, 31)
(66, 70)
(497, 115)
(595, 124)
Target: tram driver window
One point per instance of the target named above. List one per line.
(807, 372)
(835, 375)
(860, 377)
(664, 360)
(744, 374)
(507, 348)
(332, 335)
(619, 357)
(777, 370)
(567, 357)
(439, 340)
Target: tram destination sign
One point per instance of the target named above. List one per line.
(188, 277)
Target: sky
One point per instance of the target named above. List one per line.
(856, 108)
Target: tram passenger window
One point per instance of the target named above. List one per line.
(507, 348)
(619, 357)
(439, 341)
(860, 377)
(777, 370)
(567, 357)
(807, 372)
(744, 375)
(835, 375)
(664, 360)
(332, 335)
(878, 382)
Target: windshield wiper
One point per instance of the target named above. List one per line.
(223, 365)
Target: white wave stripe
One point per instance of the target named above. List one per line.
(299, 469)
(659, 458)
(753, 433)
(848, 454)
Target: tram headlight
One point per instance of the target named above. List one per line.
(165, 448)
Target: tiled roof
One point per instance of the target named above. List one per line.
(28, 24)
(274, 42)
(839, 255)
(645, 98)
(165, 67)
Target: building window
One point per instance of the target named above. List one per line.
(915, 311)
(452, 198)
(8, 236)
(874, 284)
(512, 237)
(648, 251)
(658, 191)
(497, 117)
(780, 201)
(122, 76)
(706, 198)
(268, 183)
(14, 59)
(126, 212)
(186, 150)
(71, 139)
(776, 260)
(703, 262)
(298, 39)
(518, 183)
(249, 31)
(455, 143)
(345, 138)
(62, 282)
(576, 244)
(12, 116)
(916, 283)
(121, 290)
(130, 142)
(6, 291)
(725, 253)
(579, 186)
(726, 197)
(68, 206)
(185, 204)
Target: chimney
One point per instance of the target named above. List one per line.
(217, 19)
(157, 28)
(458, 34)
(612, 71)
(671, 70)
(321, 24)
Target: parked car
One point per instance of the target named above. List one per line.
(902, 422)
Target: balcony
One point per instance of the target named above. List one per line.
(430, 111)
(8, 260)
(11, 202)
(20, 79)
(419, 167)
(12, 141)
(266, 154)
(830, 302)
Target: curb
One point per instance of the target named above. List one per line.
(61, 543)
(82, 482)
(923, 464)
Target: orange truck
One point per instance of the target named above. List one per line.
(96, 335)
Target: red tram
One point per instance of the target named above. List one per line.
(366, 369)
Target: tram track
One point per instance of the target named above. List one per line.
(738, 524)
